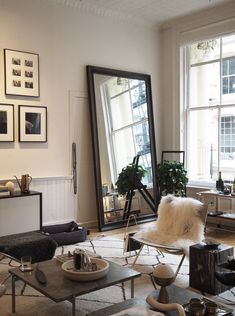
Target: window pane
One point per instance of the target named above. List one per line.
(205, 85)
(116, 85)
(232, 66)
(121, 111)
(124, 145)
(225, 67)
(227, 143)
(139, 105)
(141, 134)
(205, 51)
(203, 150)
(225, 85)
(232, 84)
(228, 46)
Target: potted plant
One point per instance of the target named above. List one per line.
(172, 178)
(129, 178)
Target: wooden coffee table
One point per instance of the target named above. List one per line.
(59, 288)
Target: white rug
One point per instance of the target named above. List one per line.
(31, 302)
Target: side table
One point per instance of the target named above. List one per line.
(203, 264)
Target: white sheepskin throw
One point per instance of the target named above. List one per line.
(179, 223)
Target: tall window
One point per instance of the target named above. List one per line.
(209, 85)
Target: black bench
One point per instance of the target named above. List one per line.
(35, 244)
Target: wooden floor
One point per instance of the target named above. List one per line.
(220, 235)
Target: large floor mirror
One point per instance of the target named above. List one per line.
(122, 129)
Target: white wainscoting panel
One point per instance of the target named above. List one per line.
(58, 199)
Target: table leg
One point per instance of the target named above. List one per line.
(73, 306)
(13, 297)
(132, 288)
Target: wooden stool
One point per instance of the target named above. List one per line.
(203, 263)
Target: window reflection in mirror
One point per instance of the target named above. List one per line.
(125, 118)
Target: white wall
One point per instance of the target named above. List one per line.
(66, 41)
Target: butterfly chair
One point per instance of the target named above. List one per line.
(180, 224)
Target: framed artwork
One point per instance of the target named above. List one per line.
(21, 73)
(32, 123)
(7, 123)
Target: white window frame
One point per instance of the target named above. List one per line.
(185, 90)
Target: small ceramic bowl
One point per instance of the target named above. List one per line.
(195, 300)
(197, 309)
(211, 308)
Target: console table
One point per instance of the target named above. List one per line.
(222, 212)
(20, 212)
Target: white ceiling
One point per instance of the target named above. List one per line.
(149, 12)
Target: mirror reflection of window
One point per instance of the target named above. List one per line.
(126, 124)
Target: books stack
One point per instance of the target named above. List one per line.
(4, 191)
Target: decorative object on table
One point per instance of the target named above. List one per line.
(7, 133)
(233, 187)
(26, 264)
(206, 306)
(32, 123)
(102, 268)
(4, 190)
(24, 183)
(163, 275)
(21, 73)
(172, 178)
(196, 307)
(81, 259)
(220, 183)
(165, 307)
(227, 189)
(10, 186)
(40, 275)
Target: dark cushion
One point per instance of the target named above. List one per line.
(66, 234)
(68, 238)
(35, 244)
(59, 228)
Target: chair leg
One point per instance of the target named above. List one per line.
(179, 266)
(141, 248)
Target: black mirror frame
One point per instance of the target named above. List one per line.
(91, 70)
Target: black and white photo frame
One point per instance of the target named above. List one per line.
(32, 123)
(7, 130)
(21, 73)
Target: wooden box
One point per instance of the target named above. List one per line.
(203, 264)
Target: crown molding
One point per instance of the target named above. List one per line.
(106, 13)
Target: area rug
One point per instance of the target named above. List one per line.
(31, 302)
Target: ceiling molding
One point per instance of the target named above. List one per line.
(107, 13)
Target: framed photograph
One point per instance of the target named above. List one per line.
(21, 73)
(7, 123)
(32, 123)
